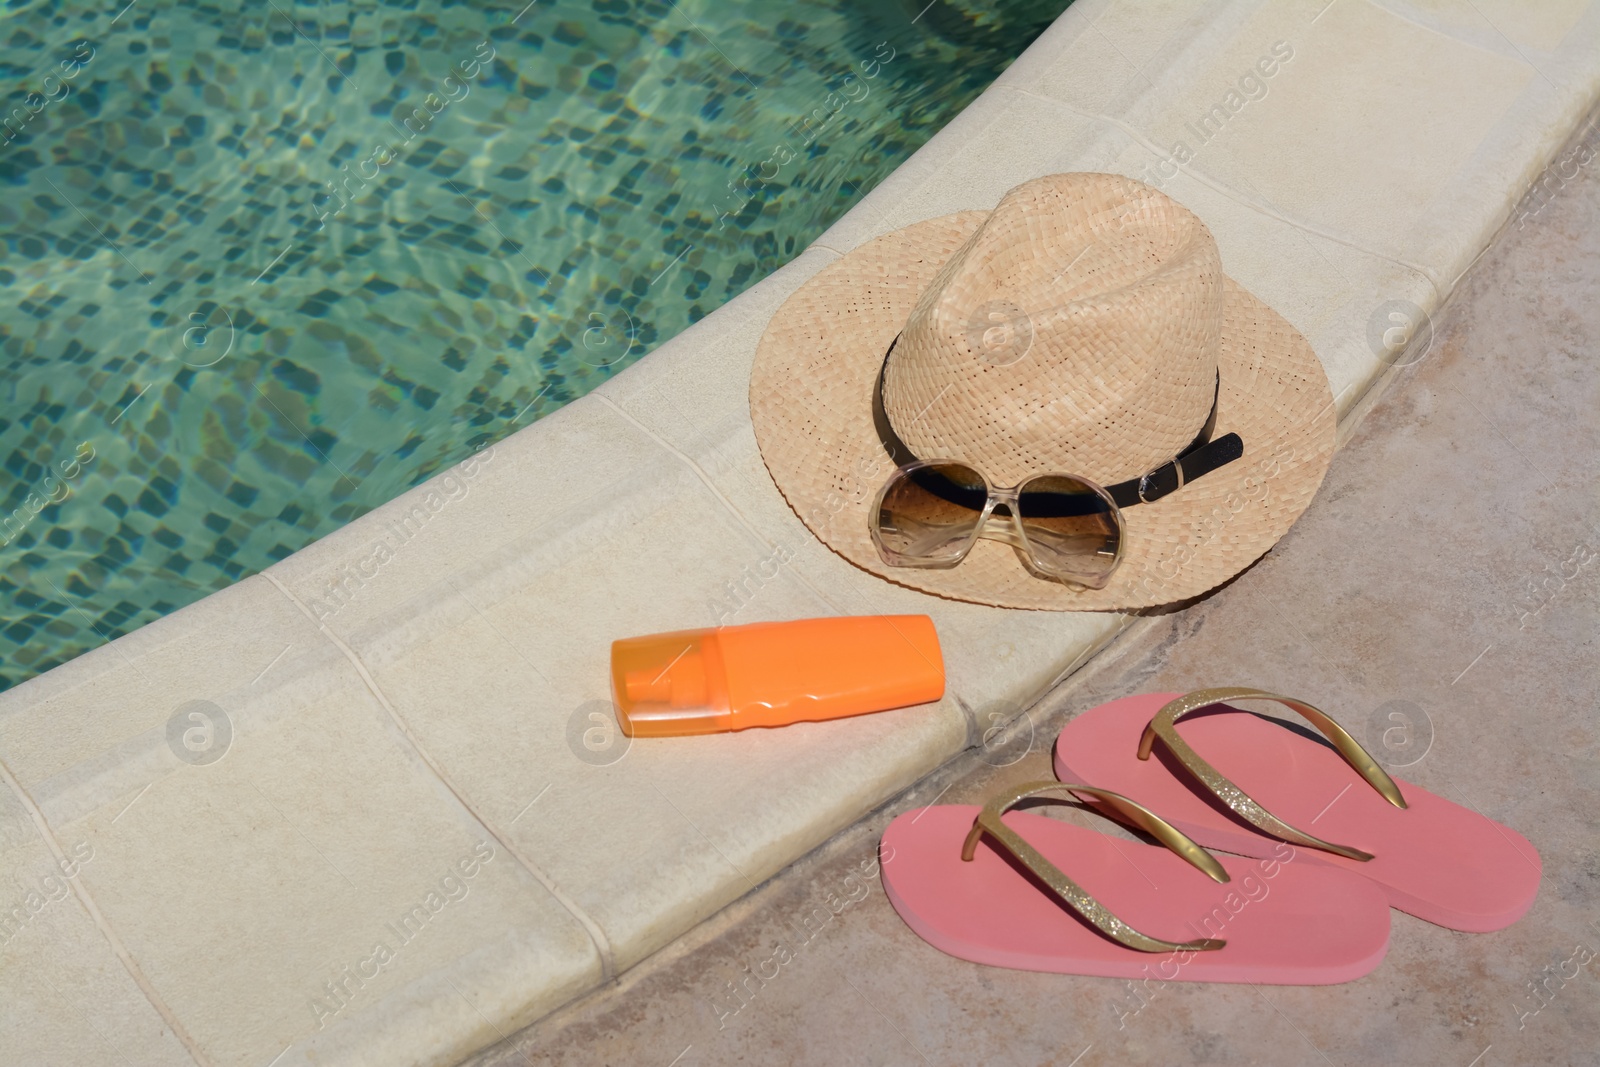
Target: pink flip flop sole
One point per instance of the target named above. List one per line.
(1286, 922)
(1435, 859)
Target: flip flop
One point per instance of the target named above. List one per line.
(1432, 858)
(987, 885)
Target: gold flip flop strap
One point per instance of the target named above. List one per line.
(1069, 892)
(1237, 799)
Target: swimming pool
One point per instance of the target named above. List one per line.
(266, 270)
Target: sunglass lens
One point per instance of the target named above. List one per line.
(929, 514)
(1074, 529)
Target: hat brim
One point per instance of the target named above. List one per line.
(811, 393)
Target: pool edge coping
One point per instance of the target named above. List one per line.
(964, 130)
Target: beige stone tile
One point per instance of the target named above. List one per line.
(675, 828)
(1510, 25)
(1414, 147)
(706, 369)
(1334, 292)
(242, 885)
(95, 731)
(1106, 55)
(1358, 129)
(576, 463)
(65, 997)
(989, 148)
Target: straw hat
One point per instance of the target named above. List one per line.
(1083, 327)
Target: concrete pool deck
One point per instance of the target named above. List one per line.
(236, 806)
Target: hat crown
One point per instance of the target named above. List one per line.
(1076, 331)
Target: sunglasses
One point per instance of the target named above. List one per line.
(931, 512)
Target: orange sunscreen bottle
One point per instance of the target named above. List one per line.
(773, 673)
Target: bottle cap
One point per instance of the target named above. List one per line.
(667, 684)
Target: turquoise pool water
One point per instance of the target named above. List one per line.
(265, 269)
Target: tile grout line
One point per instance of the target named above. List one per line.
(1125, 622)
(740, 517)
(705, 480)
(597, 935)
(968, 718)
(1401, 12)
(104, 926)
(1265, 208)
(991, 113)
(1220, 187)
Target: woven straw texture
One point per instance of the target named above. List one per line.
(1145, 288)
(1076, 331)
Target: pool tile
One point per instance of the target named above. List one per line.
(1099, 62)
(1096, 63)
(1428, 105)
(65, 997)
(585, 461)
(1488, 95)
(1508, 26)
(242, 885)
(1336, 294)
